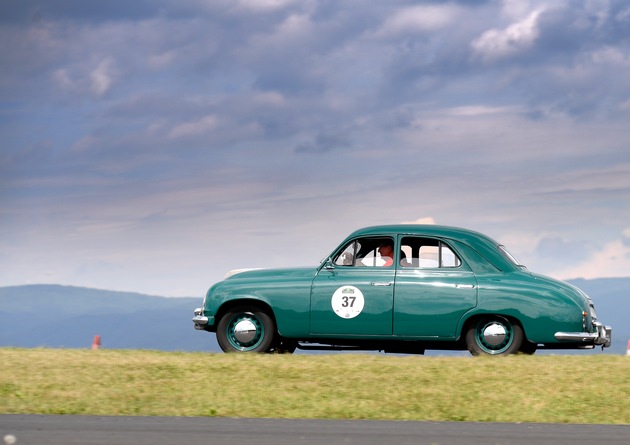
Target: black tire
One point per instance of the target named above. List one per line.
(283, 345)
(528, 348)
(246, 329)
(494, 335)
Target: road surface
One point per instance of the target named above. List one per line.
(95, 430)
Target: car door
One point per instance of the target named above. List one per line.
(433, 290)
(354, 297)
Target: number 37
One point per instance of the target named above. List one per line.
(348, 301)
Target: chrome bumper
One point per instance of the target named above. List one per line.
(200, 321)
(601, 337)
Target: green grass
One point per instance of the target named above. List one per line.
(572, 389)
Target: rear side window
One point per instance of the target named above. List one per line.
(506, 253)
(427, 253)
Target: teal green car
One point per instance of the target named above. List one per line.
(403, 289)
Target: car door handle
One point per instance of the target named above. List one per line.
(381, 283)
(465, 286)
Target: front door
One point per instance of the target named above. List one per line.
(354, 297)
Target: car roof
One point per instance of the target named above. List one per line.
(483, 244)
(415, 229)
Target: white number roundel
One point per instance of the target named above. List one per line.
(347, 302)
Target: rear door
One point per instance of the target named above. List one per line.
(433, 289)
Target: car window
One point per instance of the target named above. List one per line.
(427, 253)
(365, 252)
(506, 253)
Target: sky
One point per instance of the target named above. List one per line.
(151, 146)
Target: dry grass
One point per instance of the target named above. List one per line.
(572, 389)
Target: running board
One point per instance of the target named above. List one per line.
(331, 348)
(384, 347)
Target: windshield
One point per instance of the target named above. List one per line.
(510, 257)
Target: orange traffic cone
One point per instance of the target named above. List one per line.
(96, 344)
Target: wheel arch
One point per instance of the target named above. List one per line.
(494, 333)
(245, 301)
(472, 318)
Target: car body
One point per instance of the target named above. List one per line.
(402, 288)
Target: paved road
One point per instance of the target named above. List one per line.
(94, 430)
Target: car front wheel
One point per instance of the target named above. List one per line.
(494, 335)
(245, 329)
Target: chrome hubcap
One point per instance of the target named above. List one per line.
(245, 331)
(494, 334)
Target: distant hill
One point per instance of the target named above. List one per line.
(612, 303)
(69, 317)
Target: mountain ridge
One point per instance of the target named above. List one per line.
(69, 317)
(60, 316)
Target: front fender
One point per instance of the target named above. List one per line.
(284, 292)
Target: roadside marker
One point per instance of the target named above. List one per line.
(96, 344)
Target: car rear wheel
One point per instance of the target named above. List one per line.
(246, 329)
(494, 335)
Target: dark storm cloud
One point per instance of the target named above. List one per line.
(324, 143)
(25, 11)
(568, 68)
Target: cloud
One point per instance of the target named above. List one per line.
(560, 248)
(200, 127)
(263, 5)
(270, 98)
(62, 78)
(83, 79)
(611, 260)
(422, 18)
(103, 76)
(424, 220)
(478, 110)
(515, 9)
(325, 142)
(500, 43)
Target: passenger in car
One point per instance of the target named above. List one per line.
(403, 259)
(386, 251)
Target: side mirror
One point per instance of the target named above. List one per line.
(329, 264)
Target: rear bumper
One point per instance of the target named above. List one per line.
(601, 337)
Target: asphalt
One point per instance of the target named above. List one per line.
(96, 430)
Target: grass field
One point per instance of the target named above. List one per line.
(566, 389)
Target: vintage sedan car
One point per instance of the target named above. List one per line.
(404, 289)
